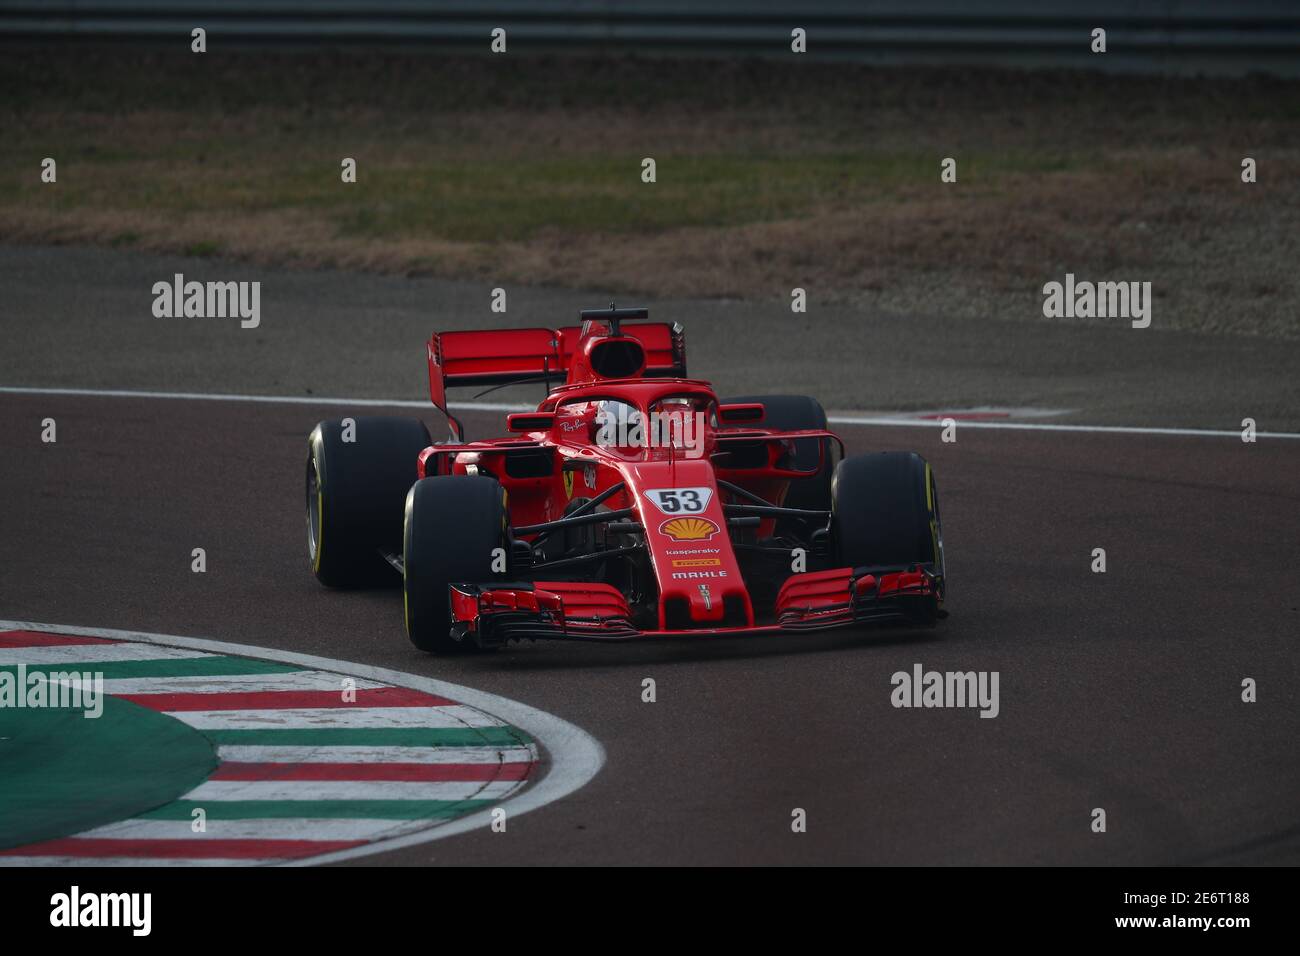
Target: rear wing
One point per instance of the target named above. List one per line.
(508, 356)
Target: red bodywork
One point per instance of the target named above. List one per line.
(559, 454)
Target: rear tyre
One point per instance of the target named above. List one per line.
(355, 492)
(453, 525)
(885, 513)
(797, 412)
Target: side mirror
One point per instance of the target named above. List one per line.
(747, 413)
(530, 421)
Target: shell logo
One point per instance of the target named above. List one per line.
(689, 529)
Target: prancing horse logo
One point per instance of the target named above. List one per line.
(708, 598)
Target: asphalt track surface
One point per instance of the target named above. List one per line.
(1119, 690)
(82, 317)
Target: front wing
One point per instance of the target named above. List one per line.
(492, 614)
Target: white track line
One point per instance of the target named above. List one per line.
(266, 399)
(1036, 427)
(837, 419)
(574, 756)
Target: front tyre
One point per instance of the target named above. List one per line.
(456, 532)
(885, 514)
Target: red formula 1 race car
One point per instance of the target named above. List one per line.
(634, 503)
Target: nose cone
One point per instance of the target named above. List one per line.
(705, 603)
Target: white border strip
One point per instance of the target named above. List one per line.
(574, 756)
(838, 419)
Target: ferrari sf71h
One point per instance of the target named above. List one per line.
(633, 503)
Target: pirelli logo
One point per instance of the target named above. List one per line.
(696, 562)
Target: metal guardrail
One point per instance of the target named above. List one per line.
(1164, 35)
